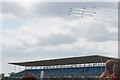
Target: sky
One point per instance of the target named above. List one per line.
(44, 30)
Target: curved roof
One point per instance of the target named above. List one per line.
(66, 61)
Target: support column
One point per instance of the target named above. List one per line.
(41, 74)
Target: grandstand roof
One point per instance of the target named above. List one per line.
(66, 61)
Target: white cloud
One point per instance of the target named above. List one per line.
(62, 1)
(57, 36)
(109, 47)
(0, 54)
(41, 28)
(8, 16)
(34, 34)
(112, 30)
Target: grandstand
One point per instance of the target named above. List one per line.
(77, 67)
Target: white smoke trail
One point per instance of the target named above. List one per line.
(94, 11)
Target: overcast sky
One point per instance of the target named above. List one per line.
(44, 30)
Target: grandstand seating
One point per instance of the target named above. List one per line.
(65, 72)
